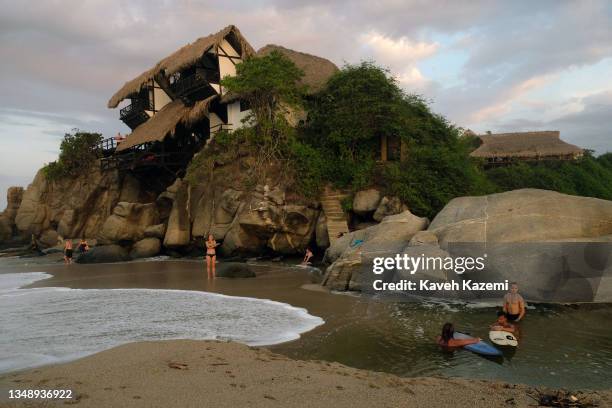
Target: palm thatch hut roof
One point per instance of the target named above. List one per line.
(524, 144)
(164, 122)
(317, 70)
(181, 59)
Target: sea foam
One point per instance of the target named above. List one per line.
(50, 325)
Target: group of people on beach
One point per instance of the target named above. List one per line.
(68, 249)
(513, 311)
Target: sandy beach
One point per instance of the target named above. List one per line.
(232, 375)
(210, 373)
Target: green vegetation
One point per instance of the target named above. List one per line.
(340, 142)
(362, 103)
(589, 176)
(76, 155)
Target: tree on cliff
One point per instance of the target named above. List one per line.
(76, 155)
(270, 86)
(363, 103)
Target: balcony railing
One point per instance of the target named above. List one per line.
(193, 84)
(137, 106)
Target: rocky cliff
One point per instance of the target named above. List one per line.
(558, 247)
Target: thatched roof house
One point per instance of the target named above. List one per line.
(525, 146)
(182, 58)
(179, 104)
(317, 70)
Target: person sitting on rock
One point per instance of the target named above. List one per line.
(502, 324)
(307, 257)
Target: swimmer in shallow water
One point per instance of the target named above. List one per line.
(446, 338)
(502, 324)
(514, 304)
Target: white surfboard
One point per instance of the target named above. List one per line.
(503, 338)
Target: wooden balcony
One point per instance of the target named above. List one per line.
(194, 87)
(135, 113)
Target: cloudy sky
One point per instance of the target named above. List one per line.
(491, 65)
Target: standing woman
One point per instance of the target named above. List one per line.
(68, 252)
(211, 256)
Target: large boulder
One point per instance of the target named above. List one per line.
(353, 253)
(75, 206)
(128, 222)
(146, 248)
(155, 231)
(388, 206)
(234, 270)
(321, 234)
(49, 238)
(527, 215)
(555, 245)
(104, 254)
(366, 201)
(264, 221)
(178, 232)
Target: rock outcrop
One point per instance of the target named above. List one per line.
(128, 222)
(14, 197)
(145, 248)
(73, 207)
(366, 201)
(557, 247)
(254, 221)
(105, 254)
(351, 255)
(234, 270)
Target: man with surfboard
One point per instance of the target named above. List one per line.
(514, 304)
(502, 324)
(503, 333)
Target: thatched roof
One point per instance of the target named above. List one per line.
(524, 144)
(181, 59)
(164, 122)
(317, 70)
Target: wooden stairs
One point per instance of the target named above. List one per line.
(332, 207)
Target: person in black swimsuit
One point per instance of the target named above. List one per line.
(211, 256)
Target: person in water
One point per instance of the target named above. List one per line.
(68, 252)
(446, 338)
(307, 257)
(514, 304)
(83, 246)
(211, 256)
(502, 324)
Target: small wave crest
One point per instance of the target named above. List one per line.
(48, 325)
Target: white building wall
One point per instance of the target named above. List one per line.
(234, 116)
(226, 66)
(160, 97)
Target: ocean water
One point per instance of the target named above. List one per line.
(49, 325)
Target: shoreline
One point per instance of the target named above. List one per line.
(274, 283)
(209, 373)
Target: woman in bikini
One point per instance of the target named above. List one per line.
(211, 256)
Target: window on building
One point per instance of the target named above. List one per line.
(244, 105)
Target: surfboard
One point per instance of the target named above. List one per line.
(481, 347)
(503, 338)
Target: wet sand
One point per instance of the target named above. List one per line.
(187, 373)
(230, 374)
